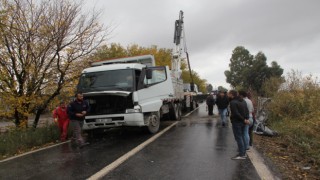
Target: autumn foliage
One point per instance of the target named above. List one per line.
(294, 113)
(43, 45)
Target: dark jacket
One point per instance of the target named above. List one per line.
(210, 100)
(222, 102)
(77, 107)
(239, 110)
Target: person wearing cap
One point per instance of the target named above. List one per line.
(60, 117)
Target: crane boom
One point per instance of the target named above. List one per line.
(179, 34)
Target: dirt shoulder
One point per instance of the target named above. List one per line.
(285, 160)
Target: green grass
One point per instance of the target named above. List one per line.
(17, 141)
(300, 135)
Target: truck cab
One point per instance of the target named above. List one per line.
(128, 92)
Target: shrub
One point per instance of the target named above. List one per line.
(294, 113)
(21, 140)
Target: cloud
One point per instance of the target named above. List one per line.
(286, 31)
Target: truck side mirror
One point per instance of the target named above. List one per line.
(149, 74)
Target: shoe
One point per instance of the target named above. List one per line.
(248, 150)
(223, 124)
(238, 157)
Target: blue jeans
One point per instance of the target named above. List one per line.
(223, 115)
(246, 136)
(238, 129)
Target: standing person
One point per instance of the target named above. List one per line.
(61, 117)
(77, 111)
(243, 95)
(239, 118)
(253, 118)
(222, 103)
(210, 103)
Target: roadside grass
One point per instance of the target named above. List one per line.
(301, 136)
(17, 141)
(295, 115)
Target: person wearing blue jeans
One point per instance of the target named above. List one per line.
(246, 136)
(223, 116)
(239, 118)
(243, 95)
(222, 103)
(238, 132)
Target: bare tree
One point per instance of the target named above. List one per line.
(43, 47)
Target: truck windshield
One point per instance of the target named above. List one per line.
(107, 80)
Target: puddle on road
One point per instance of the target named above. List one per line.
(190, 121)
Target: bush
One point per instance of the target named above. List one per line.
(294, 113)
(20, 140)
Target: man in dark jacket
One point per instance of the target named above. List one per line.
(210, 103)
(77, 111)
(222, 103)
(239, 118)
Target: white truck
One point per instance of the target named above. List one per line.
(133, 91)
(190, 101)
(130, 92)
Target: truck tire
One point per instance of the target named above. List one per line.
(153, 122)
(175, 112)
(192, 105)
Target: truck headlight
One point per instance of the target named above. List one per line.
(136, 109)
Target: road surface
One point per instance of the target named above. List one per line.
(197, 147)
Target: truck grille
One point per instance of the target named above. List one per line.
(109, 104)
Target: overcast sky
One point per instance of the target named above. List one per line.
(287, 31)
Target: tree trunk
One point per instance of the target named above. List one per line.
(16, 118)
(20, 119)
(37, 117)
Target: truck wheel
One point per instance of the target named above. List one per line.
(195, 105)
(175, 112)
(192, 105)
(154, 122)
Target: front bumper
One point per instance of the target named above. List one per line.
(113, 120)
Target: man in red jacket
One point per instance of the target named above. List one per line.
(61, 117)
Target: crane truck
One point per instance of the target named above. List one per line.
(133, 91)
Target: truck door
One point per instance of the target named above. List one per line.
(155, 84)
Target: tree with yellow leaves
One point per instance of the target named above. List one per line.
(43, 48)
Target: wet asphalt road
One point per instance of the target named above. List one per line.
(196, 148)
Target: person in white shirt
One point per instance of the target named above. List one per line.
(243, 94)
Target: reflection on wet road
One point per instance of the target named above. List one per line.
(196, 148)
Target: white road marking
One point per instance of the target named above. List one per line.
(262, 169)
(37, 150)
(100, 174)
(192, 111)
(258, 162)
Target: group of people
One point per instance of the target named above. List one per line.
(73, 113)
(241, 116)
(222, 103)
